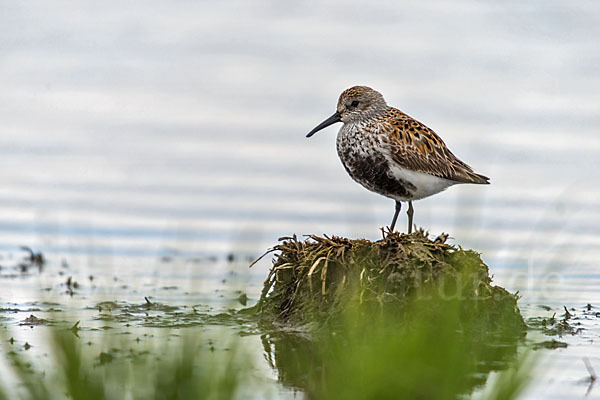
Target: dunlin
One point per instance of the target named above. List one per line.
(392, 154)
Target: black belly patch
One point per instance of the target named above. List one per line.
(375, 174)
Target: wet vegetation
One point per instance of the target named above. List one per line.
(314, 280)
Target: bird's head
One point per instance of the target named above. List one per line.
(356, 104)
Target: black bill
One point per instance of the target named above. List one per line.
(329, 121)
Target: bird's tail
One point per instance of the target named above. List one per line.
(479, 179)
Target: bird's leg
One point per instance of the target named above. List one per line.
(398, 205)
(410, 213)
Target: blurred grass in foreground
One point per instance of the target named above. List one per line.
(168, 368)
(371, 357)
(403, 318)
(365, 356)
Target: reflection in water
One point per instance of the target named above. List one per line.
(400, 366)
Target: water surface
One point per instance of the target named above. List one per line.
(144, 143)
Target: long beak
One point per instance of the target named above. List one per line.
(329, 121)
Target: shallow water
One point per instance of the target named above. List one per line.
(143, 144)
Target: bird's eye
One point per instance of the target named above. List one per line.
(354, 103)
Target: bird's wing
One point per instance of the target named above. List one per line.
(414, 146)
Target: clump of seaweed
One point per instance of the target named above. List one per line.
(359, 319)
(314, 280)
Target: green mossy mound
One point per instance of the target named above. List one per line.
(313, 281)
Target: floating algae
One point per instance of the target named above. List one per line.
(314, 280)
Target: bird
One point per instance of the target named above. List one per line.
(390, 153)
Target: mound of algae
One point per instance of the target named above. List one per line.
(313, 281)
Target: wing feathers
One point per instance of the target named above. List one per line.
(414, 146)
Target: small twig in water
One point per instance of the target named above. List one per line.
(590, 369)
(592, 379)
(567, 313)
(75, 328)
